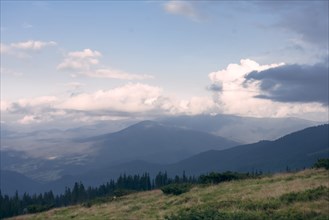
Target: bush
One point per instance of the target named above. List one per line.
(122, 192)
(87, 204)
(215, 178)
(39, 208)
(176, 189)
(322, 163)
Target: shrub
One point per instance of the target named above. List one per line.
(122, 192)
(39, 208)
(215, 178)
(87, 204)
(322, 163)
(176, 188)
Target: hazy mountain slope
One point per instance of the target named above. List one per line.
(297, 150)
(102, 175)
(11, 181)
(93, 157)
(241, 129)
(155, 142)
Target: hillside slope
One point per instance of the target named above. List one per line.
(302, 195)
(11, 181)
(293, 151)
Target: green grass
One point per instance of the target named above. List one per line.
(302, 195)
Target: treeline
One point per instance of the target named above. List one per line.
(125, 184)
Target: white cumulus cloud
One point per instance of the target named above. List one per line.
(128, 98)
(80, 60)
(86, 53)
(38, 101)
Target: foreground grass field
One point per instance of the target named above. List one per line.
(302, 195)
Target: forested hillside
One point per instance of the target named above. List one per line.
(301, 195)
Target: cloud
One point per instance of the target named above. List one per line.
(128, 98)
(238, 95)
(86, 63)
(311, 22)
(183, 8)
(28, 119)
(23, 49)
(293, 83)
(136, 99)
(216, 87)
(115, 74)
(4, 105)
(75, 85)
(197, 105)
(32, 45)
(232, 76)
(42, 100)
(27, 25)
(6, 71)
(308, 19)
(32, 105)
(4, 48)
(86, 53)
(33, 110)
(80, 60)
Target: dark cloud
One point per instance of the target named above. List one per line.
(309, 19)
(311, 22)
(215, 87)
(293, 83)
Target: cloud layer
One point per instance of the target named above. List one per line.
(129, 100)
(246, 88)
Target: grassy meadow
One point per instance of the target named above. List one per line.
(301, 195)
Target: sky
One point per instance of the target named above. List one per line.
(90, 61)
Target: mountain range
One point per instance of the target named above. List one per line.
(154, 142)
(152, 147)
